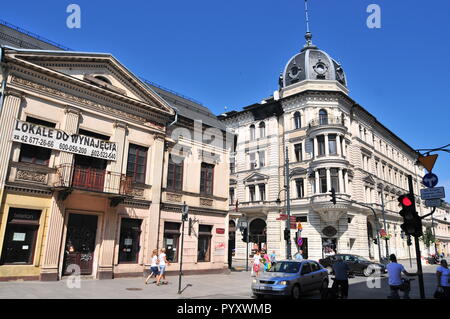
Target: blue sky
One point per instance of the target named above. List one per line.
(230, 53)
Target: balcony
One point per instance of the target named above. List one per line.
(90, 179)
(326, 122)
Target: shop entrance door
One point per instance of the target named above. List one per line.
(80, 243)
(329, 247)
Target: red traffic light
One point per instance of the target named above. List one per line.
(406, 201)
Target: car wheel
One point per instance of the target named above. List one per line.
(295, 292)
(368, 271)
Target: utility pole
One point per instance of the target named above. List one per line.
(288, 204)
(248, 239)
(416, 243)
(184, 217)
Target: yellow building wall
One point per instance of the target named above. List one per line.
(28, 202)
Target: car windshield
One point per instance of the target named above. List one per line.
(286, 267)
(361, 258)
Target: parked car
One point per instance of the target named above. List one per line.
(291, 278)
(358, 264)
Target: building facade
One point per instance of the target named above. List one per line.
(331, 142)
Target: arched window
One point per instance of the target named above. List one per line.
(252, 132)
(323, 117)
(297, 120)
(262, 129)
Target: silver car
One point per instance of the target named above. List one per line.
(291, 278)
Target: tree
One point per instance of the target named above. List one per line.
(428, 238)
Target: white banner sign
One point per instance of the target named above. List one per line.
(47, 137)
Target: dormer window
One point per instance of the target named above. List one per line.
(102, 78)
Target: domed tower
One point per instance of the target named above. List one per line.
(312, 68)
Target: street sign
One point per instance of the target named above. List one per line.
(428, 161)
(430, 180)
(282, 217)
(433, 202)
(432, 193)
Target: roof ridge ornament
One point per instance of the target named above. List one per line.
(308, 35)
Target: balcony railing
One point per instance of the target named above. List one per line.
(327, 120)
(92, 179)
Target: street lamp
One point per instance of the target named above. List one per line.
(287, 232)
(243, 227)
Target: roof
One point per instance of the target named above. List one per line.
(186, 107)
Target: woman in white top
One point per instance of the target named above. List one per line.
(154, 269)
(162, 266)
(443, 278)
(256, 263)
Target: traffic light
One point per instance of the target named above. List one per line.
(287, 234)
(333, 196)
(185, 212)
(412, 223)
(244, 235)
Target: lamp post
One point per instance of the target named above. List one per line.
(384, 221)
(184, 217)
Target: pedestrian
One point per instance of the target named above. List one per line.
(299, 255)
(256, 263)
(267, 260)
(154, 268)
(443, 279)
(162, 266)
(273, 258)
(395, 271)
(341, 271)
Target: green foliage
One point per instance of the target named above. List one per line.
(428, 237)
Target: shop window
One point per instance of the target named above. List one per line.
(175, 173)
(204, 243)
(206, 179)
(302, 219)
(20, 236)
(129, 246)
(137, 161)
(171, 239)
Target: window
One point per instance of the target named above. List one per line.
(252, 132)
(299, 185)
(171, 239)
(262, 129)
(323, 180)
(137, 161)
(204, 243)
(306, 268)
(302, 219)
(262, 158)
(129, 245)
(321, 144)
(251, 190)
(332, 145)
(35, 154)
(298, 152)
(334, 172)
(206, 179)
(20, 236)
(175, 173)
(262, 192)
(231, 196)
(323, 117)
(232, 166)
(252, 160)
(297, 120)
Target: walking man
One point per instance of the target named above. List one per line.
(341, 270)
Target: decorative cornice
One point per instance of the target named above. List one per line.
(72, 110)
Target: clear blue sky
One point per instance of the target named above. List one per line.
(230, 53)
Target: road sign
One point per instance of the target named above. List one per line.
(428, 161)
(282, 217)
(433, 202)
(432, 193)
(430, 180)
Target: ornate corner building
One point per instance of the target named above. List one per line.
(331, 142)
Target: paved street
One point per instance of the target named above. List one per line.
(235, 285)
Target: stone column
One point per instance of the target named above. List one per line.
(105, 265)
(344, 147)
(317, 181)
(347, 191)
(338, 145)
(341, 182)
(9, 115)
(316, 148)
(327, 147)
(156, 160)
(328, 179)
(70, 126)
(52, 246)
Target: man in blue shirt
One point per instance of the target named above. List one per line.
(341, 270)
(395, 271)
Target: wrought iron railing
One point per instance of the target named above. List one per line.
(92, 179)
(327, 120)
